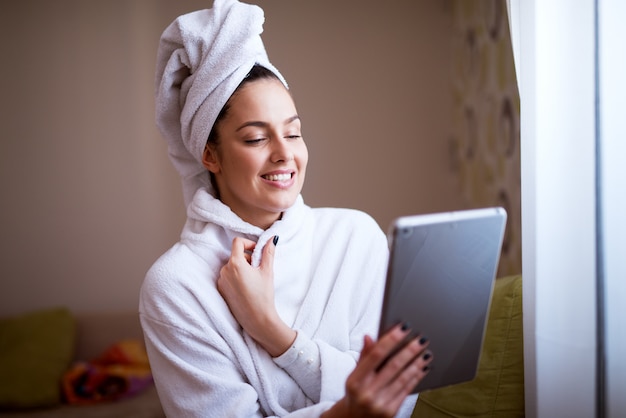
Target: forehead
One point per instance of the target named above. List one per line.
(261, 99)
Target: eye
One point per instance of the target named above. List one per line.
(293, 136)
(254, 141)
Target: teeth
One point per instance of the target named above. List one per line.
(278, 177)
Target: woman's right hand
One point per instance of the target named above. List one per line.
(378, 385)
(249, 294)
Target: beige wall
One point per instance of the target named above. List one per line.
(89, 199)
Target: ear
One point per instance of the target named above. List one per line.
(210, 159)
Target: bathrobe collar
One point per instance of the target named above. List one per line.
(205, 208)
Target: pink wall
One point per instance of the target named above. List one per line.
(89, 199)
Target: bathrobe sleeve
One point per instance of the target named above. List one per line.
(187, 357)
(200, 367)
(189, 396)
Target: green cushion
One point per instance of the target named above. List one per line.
(498, 389)
(35, 350)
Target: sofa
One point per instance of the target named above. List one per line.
(38, 348)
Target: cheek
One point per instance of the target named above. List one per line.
(303, 156)
(243, 165)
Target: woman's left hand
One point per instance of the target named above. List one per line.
(249, 293)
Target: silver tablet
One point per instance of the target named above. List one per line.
(440, 279)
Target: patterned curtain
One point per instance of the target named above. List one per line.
(485, 137)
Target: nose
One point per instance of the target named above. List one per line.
(281, 150)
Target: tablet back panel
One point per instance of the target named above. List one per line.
(440, 279)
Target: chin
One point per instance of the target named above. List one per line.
(285, 204)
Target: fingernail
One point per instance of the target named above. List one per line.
(426, 356)
(423, 340)
(405, 326)
(426, 368)
(275, 241)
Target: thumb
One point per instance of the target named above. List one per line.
(368, 344)
(267, 260)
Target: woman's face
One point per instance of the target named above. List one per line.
(260, 161)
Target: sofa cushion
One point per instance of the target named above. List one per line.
(498, 389)
(35, 349)
(144, 405)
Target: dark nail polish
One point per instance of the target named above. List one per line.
(426, 356)
(426, 368)
(423, 340)
(405, 326)
(275, 239)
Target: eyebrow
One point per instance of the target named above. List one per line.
(265, 124)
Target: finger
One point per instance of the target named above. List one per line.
(396, 390)
(244, 244)
(410, 376)
(378, 353)
(267, 258)
(408, 357)
(241, 247)
(368, 343)
(396, 399)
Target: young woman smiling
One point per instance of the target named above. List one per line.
(265, 307)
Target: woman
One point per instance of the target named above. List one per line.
(265, 307)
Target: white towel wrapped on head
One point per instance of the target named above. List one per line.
(203, 56)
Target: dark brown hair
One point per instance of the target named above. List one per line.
(256, 73)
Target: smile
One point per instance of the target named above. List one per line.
(278, 177)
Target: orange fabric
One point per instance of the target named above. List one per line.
(122, 370)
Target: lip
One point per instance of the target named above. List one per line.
(285, 184)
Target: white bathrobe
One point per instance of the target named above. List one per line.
(329, 271)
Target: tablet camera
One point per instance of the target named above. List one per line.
(406, 232)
